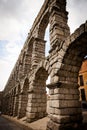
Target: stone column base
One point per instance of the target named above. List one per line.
(64, 122)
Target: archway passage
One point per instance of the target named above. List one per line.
(16, 100)
(65, 105)
(12, 102)
(40, 81)
(47, 38)
(23, 99)
(72, 60)
(37, 105)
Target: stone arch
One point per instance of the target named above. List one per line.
(21, 64)
(73, 53)
(44, 21)
(37, 103)
(14, 91)
(45, 64)
(39, 42)
(66, 107)
(40, 87)
(16, 99)
(22, 59)
(28, 57)
(23, 99)
(18, 89)
(43, 30)
(12, 102)
(7, 104)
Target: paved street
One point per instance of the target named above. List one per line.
(8, 125)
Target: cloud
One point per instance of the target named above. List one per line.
(77, 13)
(8, 57)
(13, 48)
(17, 17)
(5, 69)
(12, 51)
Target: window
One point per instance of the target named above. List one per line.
(81, 80)
(83, 94)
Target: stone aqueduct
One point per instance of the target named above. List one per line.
(25, 91)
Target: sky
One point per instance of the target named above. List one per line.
(16, 19)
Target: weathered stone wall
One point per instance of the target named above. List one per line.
(25, 91)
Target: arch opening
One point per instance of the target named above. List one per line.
(47, 38)
(75, 56)
(43, 32)
(68, 77)
(72, 60)
(23, 99)
(48, 82)
(17, 100)
(40, 93)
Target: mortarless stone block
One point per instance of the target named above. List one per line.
(31, 115)
(51, 91)
(68, 111)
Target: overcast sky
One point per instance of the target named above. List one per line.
(16, 19)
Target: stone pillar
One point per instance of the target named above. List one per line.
(27, 64)
(37, 97)
(38, 51)
(23, 99)
(21, 71)
(12, 106)
(36, 107)
(28, 58)
(16, 102)
(59, 29)
(65, 107)
(7, 105)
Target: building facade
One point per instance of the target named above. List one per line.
(83, 81)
